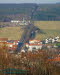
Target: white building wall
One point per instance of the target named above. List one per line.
(37, 47)
(31, 42)
(10, 45)
(15, 21)
(27, 45)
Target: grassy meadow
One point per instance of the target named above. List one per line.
(50, 29)
(12, 33)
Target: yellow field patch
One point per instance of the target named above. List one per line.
(47, 24)
(12, 33)
(50, 28)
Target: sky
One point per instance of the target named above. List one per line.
(29, 1)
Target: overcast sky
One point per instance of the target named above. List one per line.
(29, 1)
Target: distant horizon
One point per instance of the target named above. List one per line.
(29, 1)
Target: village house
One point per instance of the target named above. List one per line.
(45, 41)
(23, 51)
(11, 46)
(15, 21)
(56, 38)
(16, 42)
(35, 41)
(13, 41)
(23, 22)
(34, 45)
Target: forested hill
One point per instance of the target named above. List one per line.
(48, 12)
(18, 11)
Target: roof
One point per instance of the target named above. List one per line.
(3, 42)
(10, 43)
(14, 45)
(10, 40)
(34, 40)
(3, 39)
(35, 44)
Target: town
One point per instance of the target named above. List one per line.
(32, 45)
(30, 39)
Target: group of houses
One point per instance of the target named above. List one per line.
(9, 44)
(52, 40)
(23, 22)
(32, 45)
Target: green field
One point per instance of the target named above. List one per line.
(50, 29)
(12, 33)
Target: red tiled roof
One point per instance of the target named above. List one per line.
(9, 43)
(3, 42)
(3, 39)
(14, 45)
(16, 40)
(35, 44)
(34, 40)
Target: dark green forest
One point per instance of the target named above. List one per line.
(32, 11)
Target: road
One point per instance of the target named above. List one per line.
(26, 36)
(27, 32)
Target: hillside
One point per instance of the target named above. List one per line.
(48, 12)
(43, 12)
(15, 11)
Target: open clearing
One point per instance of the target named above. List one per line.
(12, 33)
(50, 29)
